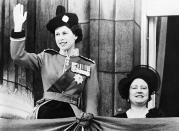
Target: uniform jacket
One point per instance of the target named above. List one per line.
(68, 86)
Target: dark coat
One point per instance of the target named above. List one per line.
(153, 113)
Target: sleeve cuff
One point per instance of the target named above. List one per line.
(17, 35)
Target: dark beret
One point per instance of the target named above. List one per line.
(65, 19)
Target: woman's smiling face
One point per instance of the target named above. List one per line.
(65, 39)
(138, 92)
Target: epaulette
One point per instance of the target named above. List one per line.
(87, 59)
(51, 51)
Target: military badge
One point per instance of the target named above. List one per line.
(80, 68)
(78, 78)
(65, 18)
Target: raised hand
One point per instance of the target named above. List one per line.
(19, 17)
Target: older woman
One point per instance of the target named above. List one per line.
(69, 80)
(137, 88)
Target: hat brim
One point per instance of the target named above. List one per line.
(147, 73)
(123, 88)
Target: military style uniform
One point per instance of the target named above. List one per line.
(65, 79)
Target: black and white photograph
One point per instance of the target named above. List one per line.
(89, 65)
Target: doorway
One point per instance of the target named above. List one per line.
(169, 101)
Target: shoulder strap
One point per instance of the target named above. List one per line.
(87, 59)
(51, 51)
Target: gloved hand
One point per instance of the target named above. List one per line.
(85, 119)
(19, 17)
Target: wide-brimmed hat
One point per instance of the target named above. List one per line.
(145, 72)
(65, 19)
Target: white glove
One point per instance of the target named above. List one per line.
(19, 17)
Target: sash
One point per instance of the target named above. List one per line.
(63, 82)
(77, 74)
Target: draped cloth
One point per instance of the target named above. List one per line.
(98, 123)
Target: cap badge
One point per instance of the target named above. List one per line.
(65, 18)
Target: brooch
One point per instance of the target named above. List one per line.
(78, 78)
